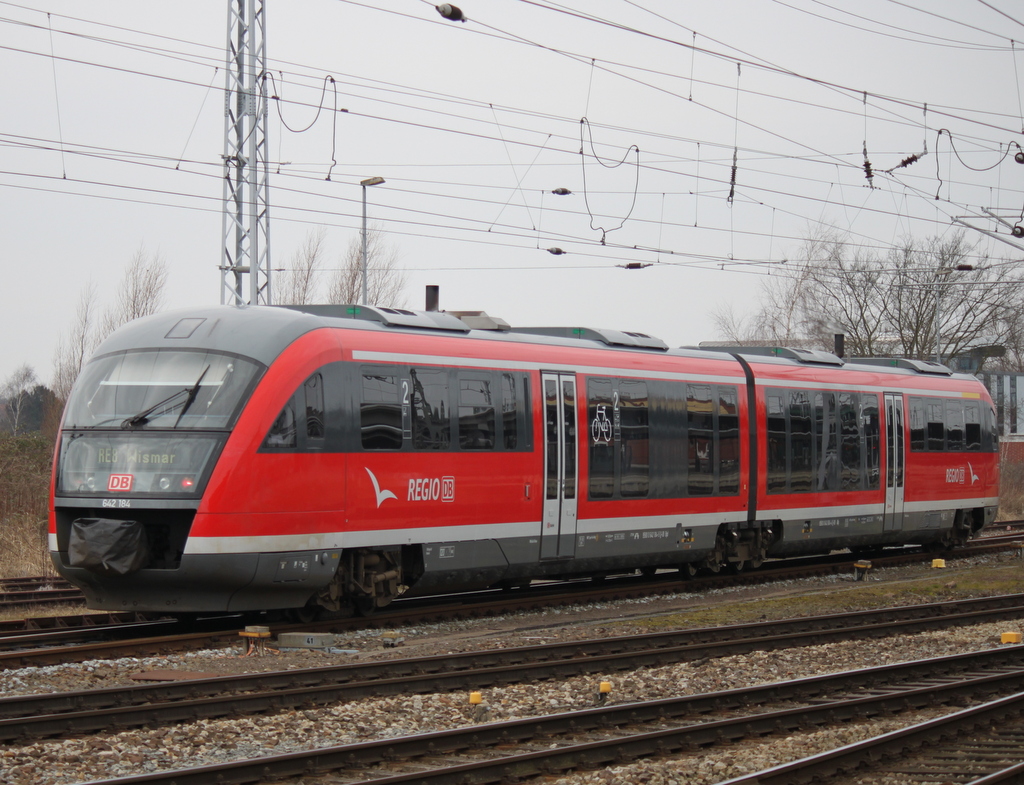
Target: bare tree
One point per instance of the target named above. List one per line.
(917, 299)
(385, 281)
(14, 396)
(74, 348)
(141, 292)
(778, 319)
(298, 285)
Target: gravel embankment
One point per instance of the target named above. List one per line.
(106, 755)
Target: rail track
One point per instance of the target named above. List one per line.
(614, 734)
(91, 710)
(49, 641)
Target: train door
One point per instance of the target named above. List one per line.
(895, 462)
(561, 473)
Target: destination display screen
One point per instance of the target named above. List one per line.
(109, 463)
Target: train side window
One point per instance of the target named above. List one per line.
(509, 412)
(476, 413)
(431, 415)
(634, 444)
(849, 434)
(313, 391)
(972, 426)
(989, 430)
(701, 435)
(283, 433)
(600, 415)
(728, 442)
(954, 426)
(380, 411)
(872, 441)
(826, 438)
(936, 425)
(801, 442)
(777, 452)
(917, 440)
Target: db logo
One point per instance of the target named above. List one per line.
(120, 482)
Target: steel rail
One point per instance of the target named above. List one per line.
(91, 710)
(574, 755)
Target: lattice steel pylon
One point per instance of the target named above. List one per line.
(246, 224)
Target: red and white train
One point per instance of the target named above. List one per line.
(257, 458)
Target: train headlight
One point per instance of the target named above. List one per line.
(165, 483)
(187, 483)
(90, 483)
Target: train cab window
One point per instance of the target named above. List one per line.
(728, 442)
(476, 413)
(954, 426)
(634, 444)
(313, 392)
(972, 426)
(283, 433)
(380, 411)
(600, 416)
(701, 433)
(431, 413)
(801, 442)
(935, 427)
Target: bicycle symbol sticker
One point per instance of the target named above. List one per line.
(601, 427)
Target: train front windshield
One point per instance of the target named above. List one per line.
(148, 422)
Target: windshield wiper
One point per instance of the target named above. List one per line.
(189, 392)
(191, 396)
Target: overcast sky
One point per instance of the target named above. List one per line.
(112, 138)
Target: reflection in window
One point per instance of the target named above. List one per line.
(801, 440)
(728, 442)
(872, 435)
(380, 412)
(936, 428)
(954, 426)
(635, 439)
(509, 412)
(777, 451)
(972, 426)
(849, 434)
(476, 414)
(701, 434)
(602, 444)
(431, 426)
(314, 395)
(282, 432)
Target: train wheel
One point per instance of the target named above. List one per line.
(365, 606)
(688, 570)
(307, 614)
(648, 572)
(737, 567)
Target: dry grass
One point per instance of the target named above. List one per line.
(24, 486)
(1011, 491)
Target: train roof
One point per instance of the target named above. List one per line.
(263, 332)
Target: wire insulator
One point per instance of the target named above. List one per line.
(868, 173)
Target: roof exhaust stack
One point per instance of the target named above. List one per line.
(839, 341)
(433, 297)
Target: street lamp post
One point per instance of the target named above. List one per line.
(364, 183)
